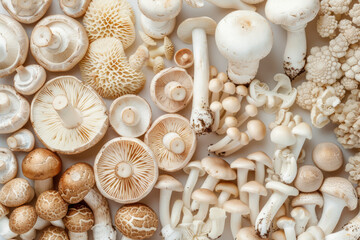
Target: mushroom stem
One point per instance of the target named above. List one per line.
(5, 230)
(209, 183)
(24, 74)
(254, 205)
(242, 176)
(43, 185)
(217, 217)
(203, 211)
(349, 232)
(3, 49)
(130, 116)
(288, 169)
(54, 40)
(41, 224)
(223, 197)
(164, 203)
(313, 221)
(5, 103)
(187, 216)
(243, 72)
(235, 223)
(174, 143)
(250, 111)
(232, 134)
(176, 213)
(175, 91)
(78, 235)
(29, 235)
(58, 223)
(70, 116)
(189, 186)
(160, 51)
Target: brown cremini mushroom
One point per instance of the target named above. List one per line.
(78, 220)
(54, 233)
(22, 221)
(16, 192)
(74, 8)
(309, 179)
(328, 157)
(8, 165)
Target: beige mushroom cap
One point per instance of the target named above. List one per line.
(136, 221)
(3, 211)
(54, 233)
(309, 178)
(218, 168)
(184, 58)
(308, 199)
(194, 165)
(228, 187)
(186, 28)
(328, 157)
(203, 195)
(50, 206)
(74, 8)
(248, 233)
(254, 187)
(168, 182)
(243, 163)
(8, 165)
(79, 218)
(22, 219)
(236, 206)
(16, 192)
(283, 136)
(76, 182)
(261, 157)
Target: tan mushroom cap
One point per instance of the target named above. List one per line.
(74, 8)
(236, 206)
(254, 187)
(328, 157)
(125, 170)
(308, 199)
(163, 97)
(8, 165)
(50, 206)
(184, 58)
(79, 218)
(41, 164)
(186, 28)
(3, 211)
(203, 195)
(54, 233)
(228, 187)
(136, 221)
(168, 182)
(194, 165)
(248, 233)
(22, 219)
(168, 134)
(282, 135)
(16, 192)
(76, 182)
(243, 163)
(261, 157)
(218, 168)
(309, 178)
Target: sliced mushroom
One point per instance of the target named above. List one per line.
(16, 192)
(58, 43)
(74, 8)
(22, 140)
(172, 140)
(8, 165)
(53, 232)
(184, 58)
(68, 116)
(171, 89)
(29, 79)
(22, 221)
(78, 220)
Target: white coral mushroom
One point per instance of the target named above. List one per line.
(354, 13)
(353, 168)
(327, 25)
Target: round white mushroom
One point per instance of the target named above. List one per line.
(8, 165)
(29, 79)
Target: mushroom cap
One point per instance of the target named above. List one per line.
(308, 179)
(48, 125)
(76, 182)
(236, 206)
(294, 13)
(34, 79)
(253, 34)
(8, 165)
(16, 192)
(184, 58)
(254, 187)
(72, 55)
(75, 11)
(341, 188)
(282, 188)
(125, 170)
(228, 187)
(41, 164)
(160, 10)
(328, 157)
(22, 219)
(136, 221)
(194, 165)
(3, 211)
(282, 135)
(284, 222)
(17, 43)
(79, 218)
(308, 199)
(50, 206)
(106, 68)
(218, 168)
(248, 233)
(203, 195)
(54, 233)
(27, 15)
(142, 110)
(186, 28)
(18, 111)
(243, 163)
(168, 182)
(157, 89)
(303, 129)
(261, 157)
(256, 129)
(171, 123)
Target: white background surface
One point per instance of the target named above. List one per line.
(268, 68)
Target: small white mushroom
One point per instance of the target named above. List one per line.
(231, 105)
(29, 79)
(250, 111)
(228, 89)
(288, 225)
(74, 8)
(216, 108)
(262, 160)
(309, 201)
(205, 198)
(8, 165)
(255, 191)
(217, 217)
(216, 86)
(237, 209)
(226, 189)
(195, 170)
(301, 217)
(232, 133)
(22, 140)
(243, 166)
(230, 122)
(176, 213)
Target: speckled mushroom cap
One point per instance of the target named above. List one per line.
(16, 192)
(22, 219)
(155, 138)
(50, 206)
(74, 8)
(136, 221)
(54, 233)
(158, 89)
(8, 165)
(14, 111)
(3, 211)
(16, 42)
(49, 125)
(41, 164)
(218, 168)
(125, 170)
(27, 13)
(79, 218)
(76, 182)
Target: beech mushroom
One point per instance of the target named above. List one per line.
(243, 166)
(28, 80)
(309, 201)
(195, 170)
(172, 140)
(255, 40)
(184, 58)
(232, 134)
(8, 165)
(250, 111)
(255, 190)
(194, 30)
(41, 165)
(78, 220)
(130, 116)
(328, 157)
(68, 116)
(53, 232)
(288, 225)
(226, 189)
(302, 131)
(14, 110)
(136, 221)
(22, 140)
(217, 217)
(293, 17)
(262, 160)
(248, 233)
(16, 192)
(22, 221)
(205, 198)
(125, 170)
(301, 217)
(237, 209)
(74, 8)
(309, 179)
(5, 230)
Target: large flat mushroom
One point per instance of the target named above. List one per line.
(68, 116)
(125, 170)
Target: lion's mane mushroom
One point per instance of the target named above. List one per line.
(125, 170)
(22, 140)
(52, 232)
(14, 109)
(58, 43)
(41, 165)
(130, 116)
(136, 221)
(172, 140)
(105, 68)
(68, 116)
(26, 11)
(171, 89)
(22, 221)
(28, 80)
(74, 8)
(8, 165)
(78, 220)
(16, 192)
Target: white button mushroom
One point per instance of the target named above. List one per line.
(8, 165)
(22, 140)
(254, 40)
(29, 79)
(288, 225)
(74, 8)
(227, 190)
(184, 58)
(262, 160)
(309, 201)
(205, 198)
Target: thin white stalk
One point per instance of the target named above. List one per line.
(254, 205)
(217, 217)
(209, 183)
(313, 221)
(223, 197)
(187, 216)
(41, 224)
(202, 213)
(164, 203)
(41, 186)
(235, 223)
(189, 186)
(260, 172)
(30, 235)
(242, 176)
(176, 213)
(331, 214)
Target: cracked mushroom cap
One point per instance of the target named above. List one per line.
(76, 182)
(172, 140)
(26, 11)
(136, 221)
(218, 168)
(14, 45)
(50, 206)
(8, 165)
(171, 89)
(14, 109)
(308, 199)
(54, 233)
(79, 218)
(22, 219)
(74, 8)
(125, 170)
(16, 192)
(130, 116)
(57, 105)
(106, 68)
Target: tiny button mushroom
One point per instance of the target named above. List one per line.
(243, 166)
(262, 160)
(282, 137)
(184, 58)
(226, 189)
(309, 201)
(309, 179)
(22, 221)
(22, 140)
(232, 134)
(216, 86)
(78, 220)
(216, 108)
(28, 80)
(74, 8)
(250, 111)
(328, 157)
(228, 89)
(195, 170)
(53, 232)
(237, 209)
(8, 165)
(301, 217)
(16, 192)
(288, 225)
(205, 198)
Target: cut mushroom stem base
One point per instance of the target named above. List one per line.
(174, 143)
(70, 116)
(175, 91)
(130, 116)
(5, 104)
(24, 74)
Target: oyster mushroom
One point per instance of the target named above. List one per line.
(68, 116)
(22, 221)
(53, 232)
(8, 165)
(172, 140)
(78, 220)
(125, 170)
(130, 116)
(22, 140)
(28, 80)
(16, 192)
(58, 43)
(74, 8)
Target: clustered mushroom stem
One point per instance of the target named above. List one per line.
(78, 235)
(235, 223)
(175, 91)
(5, 230)
(203, 211)
(223, 197)
(41, 186)
(41, 224)
(29, 235)
(242, 176)
(260, 173)
(164, 203)
(3, 49)
(254, 205)
(71, 117)
(209, 183)
(5, 104)
(187, 216)
(189, 186)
